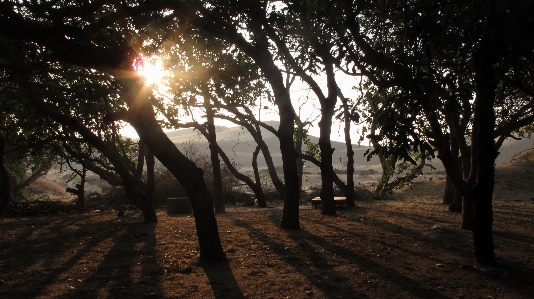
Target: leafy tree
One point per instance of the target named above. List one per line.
(429, 50)
(104, 37)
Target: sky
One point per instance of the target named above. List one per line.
(309, 110)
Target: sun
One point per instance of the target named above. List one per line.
(152, 70)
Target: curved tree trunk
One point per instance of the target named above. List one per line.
(257, 135)
(256, 188)
(142, 117)
(259, 195)
(133, 191)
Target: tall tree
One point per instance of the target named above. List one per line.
(413, 48)
(105, 40)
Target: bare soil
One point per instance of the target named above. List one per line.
(410, 247)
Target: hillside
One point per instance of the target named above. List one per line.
(239, 145)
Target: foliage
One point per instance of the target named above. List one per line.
(396, 175)
(301, 137)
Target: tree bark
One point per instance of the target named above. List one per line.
(142, 117)
(81, 188)
(349, 194)
(482, 191)
(150, 177)
(214, 155)
(256, 188)
(5, 185)
(257, 135)
(300, 162)
(448, 192)
(325, 126)
(133, 191)
(260, 196)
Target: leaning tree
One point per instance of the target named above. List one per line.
(108, 37)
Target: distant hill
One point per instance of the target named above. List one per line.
(239, 146)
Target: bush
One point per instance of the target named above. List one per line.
(111, 198)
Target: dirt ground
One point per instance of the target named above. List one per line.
(411, 247)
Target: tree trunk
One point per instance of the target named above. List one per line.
(5, 186)
(482, 192)
(260, 53)
(257, 135)
(143, 119)
(300, 162)
(127, 178)
(150, 177)
(217, 182)
(468, 212)
(256, 188)
(457, 202)
(327, 179)
(468, 209)
(325, 129)
(339, 183)
(146, 197)
(144, 204)
(448, 192)
(259, 193)
(214, 155)
(278, 184)
(81, 188)
(382, 190)
(349, 193)
(290, 214)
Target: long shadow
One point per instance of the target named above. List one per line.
(513, 237)
(130, 268)
(51, 249)
(397, 229)
(392, 275)
(521, 269)
(300, 264)
(507, 211)
(222, 280)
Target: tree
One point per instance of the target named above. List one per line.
(414, 48)
(107, 52)
(229, 84)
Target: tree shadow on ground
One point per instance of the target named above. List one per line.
(222, 280)
(54, 258)
(349, 256)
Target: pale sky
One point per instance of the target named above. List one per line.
(308, 111)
